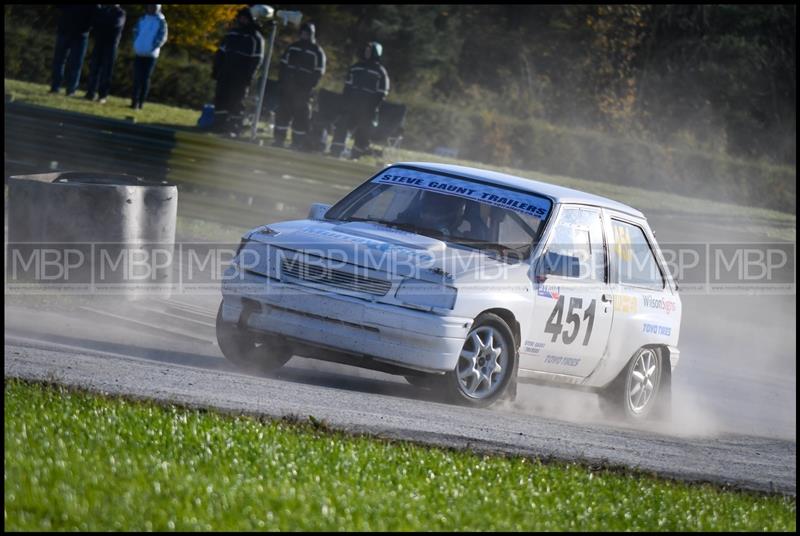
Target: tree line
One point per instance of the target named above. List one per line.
(717, 77)
(720, 78)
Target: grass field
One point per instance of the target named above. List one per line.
(115, 108)
(76, 461)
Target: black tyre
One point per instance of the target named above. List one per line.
(257, 353)
(642, 390)
(487, 364)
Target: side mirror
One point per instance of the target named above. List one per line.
(317, 211)
(557, 264)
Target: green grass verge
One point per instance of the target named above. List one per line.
(115, 108)
(76, 461)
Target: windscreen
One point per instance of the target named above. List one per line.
(456, 210)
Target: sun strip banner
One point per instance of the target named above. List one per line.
(531, 205)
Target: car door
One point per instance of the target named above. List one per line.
(572, 312)
(647, 311)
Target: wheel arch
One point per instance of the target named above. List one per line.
(511, 320)
(666, 365)
(663, 351)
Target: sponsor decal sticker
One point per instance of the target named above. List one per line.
(529, 204)
(562, 361)
(662, 304)
(622, 242)
(545, 292)
(389, 230)
(656, 329)
(383, 247)
(625, 304)
(533, 347)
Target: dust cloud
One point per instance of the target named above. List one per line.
(738, 367)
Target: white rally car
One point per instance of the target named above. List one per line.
(466, 281)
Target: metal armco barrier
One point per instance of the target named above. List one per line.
(91, 232)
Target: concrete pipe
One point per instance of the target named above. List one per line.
(95, 232)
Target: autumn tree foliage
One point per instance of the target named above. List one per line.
(198, 27)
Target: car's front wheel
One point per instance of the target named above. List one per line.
(642, 390)
(486, 365)
(250, 351)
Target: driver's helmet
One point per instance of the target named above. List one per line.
(442, 212)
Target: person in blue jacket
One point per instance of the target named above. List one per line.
(107, 29)
(149, 35)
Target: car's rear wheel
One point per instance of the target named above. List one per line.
(642, 390)
(486, 365)
(253, 352)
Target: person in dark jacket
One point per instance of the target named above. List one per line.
(74, 23)
(302, 67)
(107, 29)
(366, 86)
(236, 61)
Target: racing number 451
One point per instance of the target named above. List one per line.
(555, 326)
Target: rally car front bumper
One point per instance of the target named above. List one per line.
(392, 334)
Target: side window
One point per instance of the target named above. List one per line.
(576, 249)
(632, 258)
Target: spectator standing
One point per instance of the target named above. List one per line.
(366, 86)
(107, 29)
(236, 61)
(302, 67)
(149, 36)
(74, 22)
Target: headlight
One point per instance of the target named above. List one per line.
(425, 294)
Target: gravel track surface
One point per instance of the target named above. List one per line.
(387, 409)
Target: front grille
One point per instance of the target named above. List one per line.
(335, 278)
(325, 318)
